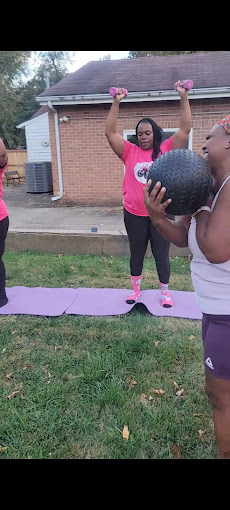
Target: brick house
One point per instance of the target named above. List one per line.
(85, 169)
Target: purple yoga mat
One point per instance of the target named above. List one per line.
(38, 301)
(113, 302)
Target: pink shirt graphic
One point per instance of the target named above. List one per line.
(3, 209)
(137, 163)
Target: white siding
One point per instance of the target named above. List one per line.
(37, 139)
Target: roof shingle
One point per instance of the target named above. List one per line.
(207, 70)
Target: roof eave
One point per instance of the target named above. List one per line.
(156, 95)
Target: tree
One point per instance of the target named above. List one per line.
(137, 54)
(12, 65)
(106, 57)
(17, 98)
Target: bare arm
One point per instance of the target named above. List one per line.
(213, 229)
(174, 231)
(3, 154)
(115, 140)
(180, 137)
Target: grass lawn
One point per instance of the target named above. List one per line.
(71, 384)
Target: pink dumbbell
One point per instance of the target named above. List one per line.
(114, 91)
(186, 84)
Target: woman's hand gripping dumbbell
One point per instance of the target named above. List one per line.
(114, 91)
(185, 84)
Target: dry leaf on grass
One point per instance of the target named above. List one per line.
(191, 337)
(156, 343)
(179, 393)
(56, 347)
(125, 433)
(3, 448)
(201, 432)
(9, 375)
(132, 383)
(176, 451)
(13, 394)
(143, 399)
(175, 385)
(158, 392)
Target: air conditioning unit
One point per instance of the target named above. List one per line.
(38, 177)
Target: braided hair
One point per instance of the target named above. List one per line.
(157, 136)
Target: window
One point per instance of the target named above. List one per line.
(130, 135)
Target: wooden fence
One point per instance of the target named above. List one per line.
(16, 160)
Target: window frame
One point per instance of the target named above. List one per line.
(128, 132)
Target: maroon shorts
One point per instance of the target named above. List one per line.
(216, 338)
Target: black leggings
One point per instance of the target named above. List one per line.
(4, 225)
(140, 230)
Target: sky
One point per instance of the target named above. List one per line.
(83, 57)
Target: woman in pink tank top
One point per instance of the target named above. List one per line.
(137, 160)
(208, 236)
(4, 225)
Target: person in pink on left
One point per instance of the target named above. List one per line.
(137, 160)
(4, 225)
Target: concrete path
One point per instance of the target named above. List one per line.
(37, 223)
(36, 212)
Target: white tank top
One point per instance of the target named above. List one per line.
(211, 282)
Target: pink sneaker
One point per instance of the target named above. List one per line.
(166, 300)
(133, 299)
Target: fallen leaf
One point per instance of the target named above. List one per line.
(191, 337)
(150, 397)
(13, 394)
(27, 367)
(143, 399)
(132, 383)
(201, 432)
(57, 347)
(9, 375)
(179, 393)
(176, 451)
(73, 268)
(125, 433)
(156, 343)
(197, 414)
(13, 331)
(175, 385)
(159, 392)
(2, 448)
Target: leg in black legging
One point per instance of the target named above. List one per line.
(4, 225)
(160, 250)
(137, 228)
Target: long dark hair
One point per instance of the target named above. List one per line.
(157, 136)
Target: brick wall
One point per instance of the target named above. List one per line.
(92, 173)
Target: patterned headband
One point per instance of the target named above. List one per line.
(225, 123)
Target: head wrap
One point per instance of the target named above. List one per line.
(225, 123)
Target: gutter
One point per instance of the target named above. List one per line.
(155, 95)
(58, 148)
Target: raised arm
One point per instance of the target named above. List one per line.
(3, 154)
(174, 231)
(115, 140)
(180, 137)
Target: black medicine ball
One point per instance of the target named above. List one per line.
(186, 177)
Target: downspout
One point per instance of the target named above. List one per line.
(58, 148)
